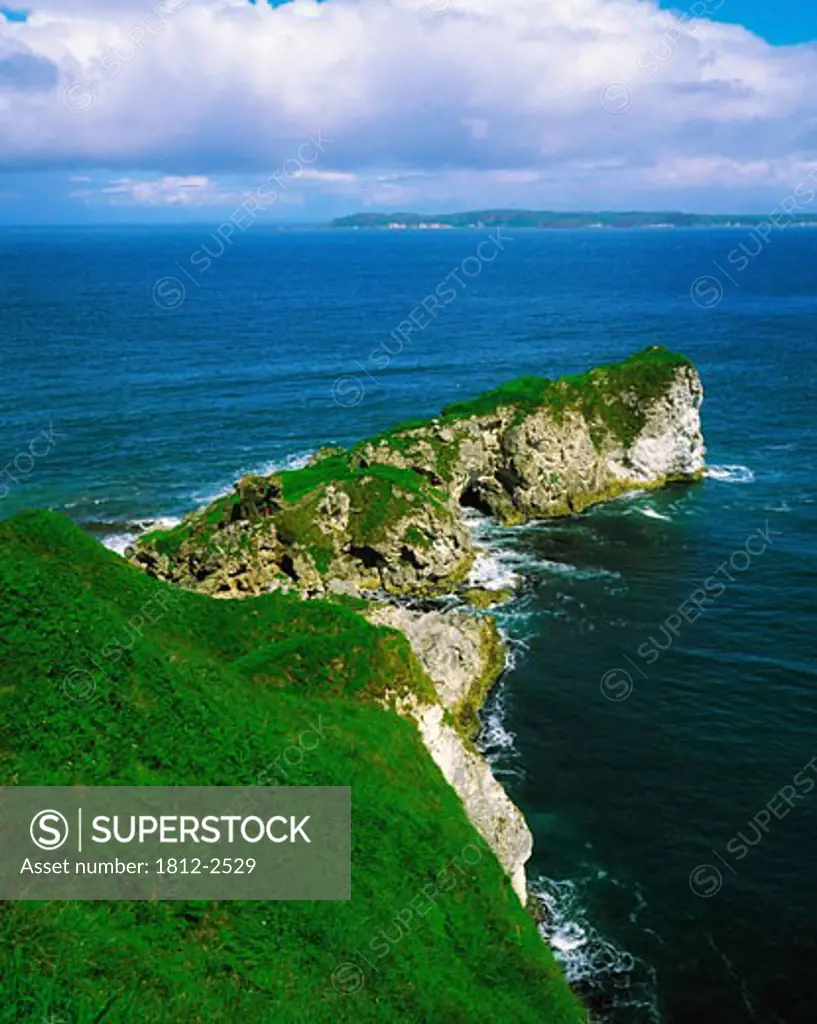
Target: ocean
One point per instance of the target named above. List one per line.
(664, 760)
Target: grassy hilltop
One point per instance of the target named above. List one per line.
(211, 693)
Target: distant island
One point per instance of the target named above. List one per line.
(553, 219)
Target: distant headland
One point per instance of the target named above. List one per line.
(554, 219)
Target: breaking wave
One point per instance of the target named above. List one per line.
(652, 514)
(295, 461)
(120, 536)
(617, 986)
(730, 474)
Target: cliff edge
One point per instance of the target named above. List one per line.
(382, 523)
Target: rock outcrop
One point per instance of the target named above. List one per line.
(386, 515)
(462, 654)
(384, 521)
(538, 448)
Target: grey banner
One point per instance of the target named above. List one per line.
(175, 842)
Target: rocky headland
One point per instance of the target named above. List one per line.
(380, 527)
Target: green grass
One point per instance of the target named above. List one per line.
(211, 694)
(524, 393)
(612, 397)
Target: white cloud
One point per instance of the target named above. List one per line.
(193, 190)
(495, 98)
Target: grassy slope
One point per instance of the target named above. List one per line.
(212, 693)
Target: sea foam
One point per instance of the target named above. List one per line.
(594, 964)
(730, 474)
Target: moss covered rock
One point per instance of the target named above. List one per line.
(535, 447)
(386, 514)
(331, 527)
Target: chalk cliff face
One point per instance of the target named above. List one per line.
(493, 815)
(384, 521)
(463, 654)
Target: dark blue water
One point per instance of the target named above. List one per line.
(634, 769)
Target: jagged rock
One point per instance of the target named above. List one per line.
(386, 515)
(463, 654)
(257, 497)
(483, 597)
(590, 438)
(324, 452)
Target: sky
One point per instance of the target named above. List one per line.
(174, 111)
(783, 23)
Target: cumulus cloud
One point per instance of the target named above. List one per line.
(422, 98)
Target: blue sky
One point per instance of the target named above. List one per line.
(164, 111)
(782, 23)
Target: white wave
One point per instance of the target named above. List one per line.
(500, 565)
(486, 530)
(591, 960)
(118, 541)
(489, 572)
(496, 742)
(511, 647)
(295, 461)
(588, 572)
(652, 514)
(583, 951)
(162, 523)
(495, 735)
(495, 566)
(730, 474)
